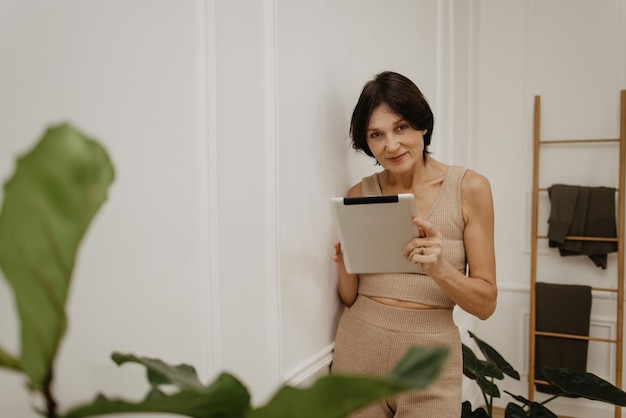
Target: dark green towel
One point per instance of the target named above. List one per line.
(563, 309)
(582, 211)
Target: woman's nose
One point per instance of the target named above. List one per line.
(392, 142)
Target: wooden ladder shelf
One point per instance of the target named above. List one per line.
(619, 289)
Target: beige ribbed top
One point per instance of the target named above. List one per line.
(446, 215)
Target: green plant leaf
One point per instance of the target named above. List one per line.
(419, 366)
(519, 398)
(466, 411)
(492, 355)
(337, 396)
(331, 396)
(159, 373)
(8, 361)
(537, 410)
(225, 398)
(479, 371)
(514, 411)
(56, 190)
(585, 385)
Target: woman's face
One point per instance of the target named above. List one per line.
(395, 144)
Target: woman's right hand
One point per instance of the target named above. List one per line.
(347, 283)
(338, 256)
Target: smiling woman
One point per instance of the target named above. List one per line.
(385, 313)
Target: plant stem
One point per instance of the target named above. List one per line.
(551, 399)
(51, 405)
(488, 404)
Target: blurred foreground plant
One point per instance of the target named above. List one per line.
(49, 203)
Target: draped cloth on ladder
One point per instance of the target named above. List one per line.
(582, 211)
(565, 309)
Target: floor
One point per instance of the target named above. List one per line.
(499, 413)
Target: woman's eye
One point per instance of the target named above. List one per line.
(375, 135)
(402, 127)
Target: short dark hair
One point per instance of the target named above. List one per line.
(402, 97)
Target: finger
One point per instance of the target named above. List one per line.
(416, 257)
(426, 228)
(415, 251)
(337, 255)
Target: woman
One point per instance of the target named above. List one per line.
(387, 313)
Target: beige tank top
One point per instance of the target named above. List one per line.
(446, 215)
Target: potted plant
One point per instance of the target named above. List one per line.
(570, 383)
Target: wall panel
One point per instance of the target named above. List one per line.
(327, 50)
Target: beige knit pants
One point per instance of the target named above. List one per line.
(372, 338)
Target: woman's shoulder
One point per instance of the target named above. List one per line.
(476, 190)
(475, 182)
(367, 186)
(356, 190)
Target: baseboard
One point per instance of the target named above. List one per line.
(315, 366)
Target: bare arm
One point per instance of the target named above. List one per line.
(476, 294)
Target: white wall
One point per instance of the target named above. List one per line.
(227, 123)
(321, 74)
(572, 54)
(130, 73)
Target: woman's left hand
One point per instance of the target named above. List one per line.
(426, 249)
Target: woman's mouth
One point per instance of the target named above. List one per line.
(396, 159)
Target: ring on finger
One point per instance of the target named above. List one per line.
(421, 251)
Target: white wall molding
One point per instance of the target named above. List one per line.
(514, 287)
(316, 365)
(472, 77)
(272, 273)
(213, 306)
(445, 82)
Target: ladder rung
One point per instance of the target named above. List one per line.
(545, 189)
(542, 382)
(604, 289)
(577, 238)
(577, 141)
(573, 336)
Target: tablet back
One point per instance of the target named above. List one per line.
(374, 230)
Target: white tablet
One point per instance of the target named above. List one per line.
(374, 230)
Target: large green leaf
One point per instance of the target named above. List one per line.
(492, 355)
(480, 371)
(8, 361)
(224, 398)
(514, 411)
(466, 411)
(49, 202)
(331, 396)
(337, 396)
(585, 385)
(535, 410)
(419, 366)
(160, 373)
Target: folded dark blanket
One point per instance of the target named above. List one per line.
(582, 211)
(562, 309)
